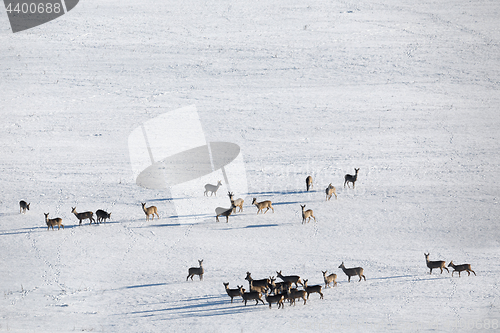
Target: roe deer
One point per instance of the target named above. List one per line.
(251, 295)
(149, 211)
(52, 222)
(196, 271)
(329, 279)
(232, 292)
(83, 216)
(102, 215)
(276, 298)
(224, 212)
(212, 188)
(23, 206)
(307, 214)
(435, 264)
(261, 205)
(257, 283)
(313, 289)
(290, 278)
(294, 294)
(309, 183)
(329, 191)
(461, 268)
(352, 272)
(238, 202)
(350, 178)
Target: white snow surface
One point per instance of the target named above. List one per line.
(407, 91)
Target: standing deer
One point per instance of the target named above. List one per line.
(257, 283)
(350, 178)
(312, 289)
(23, 206)
(276, 298)
(52, 222)
(237, 203)
(149, 211)
(290, 278)
(461, 268)
(261, 205)
(329, 191)
(83, 216)
(219, 211)
(309, 183)
(352, 272)
(329, 279)
(307, 214)
(102, 215)
(212, 188)
(196, 271)
(435, 264)
(251, 295)
(232, 292)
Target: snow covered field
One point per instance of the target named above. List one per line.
(407, 91)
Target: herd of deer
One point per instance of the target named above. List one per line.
(278, 292)
(306, 214)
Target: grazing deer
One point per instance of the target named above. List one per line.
(251, 295)
(212, 188)
(352, 272)
(83, 216)
(149, 211)
(261, 205)
(329, 191)
(232, 292)
(257, 283)
(226, 212)
(313, 289)
(237, 203)
(52, 222)
(350, 178)
(461, 268)
(309, 183)
(276, 298)
(23, 206)
(196, 271)
(290, 278)
(102, 215)
(329, 279)
(307, 214)
(435, 264)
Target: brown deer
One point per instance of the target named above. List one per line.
(52, 222)
(329, 279)
(232, 292)
(290, 278)
(261, 205)
(352, 272)
(251, 295)
(224, 212)
(83, 216)
(435, 264)
(350, 178)
(23, 206)
(309, 183)
(196, 271)
(102, 215)
(307, 214)
(461, 268)
(329, 191)
(313, 289)
(149, 211)
(237, 203)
